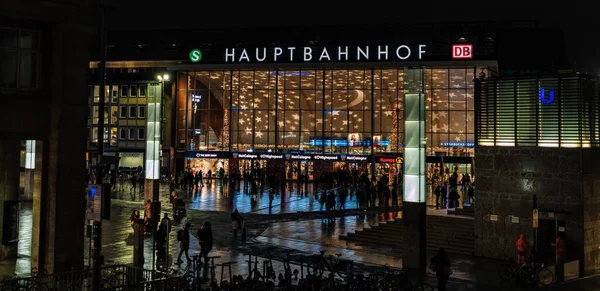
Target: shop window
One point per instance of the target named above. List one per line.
(123, 133)
(143, 90)
(124, 90)
(141, 133)
(123, 111)
(132, 111)
(131, 133)
(141, 112)
(133, 91)
(95, 114)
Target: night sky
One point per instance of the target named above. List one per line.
(580, 22)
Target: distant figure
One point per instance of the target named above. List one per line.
(237, 222)
(440, 264)
(559, 244)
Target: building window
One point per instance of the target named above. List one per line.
(132, 133)
(133, 91)
(114, 93)
(123, 111)
(124, 90)
(114, 115)
(19, 58)
(141, 133)
(123, 133)
(141, 112)
(132, 111)
(113, 136)
(143, 90)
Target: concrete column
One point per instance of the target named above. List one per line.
(9, 192)
(414, 236)
(151, 190)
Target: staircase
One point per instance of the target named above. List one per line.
(454, 234)
(465, 211)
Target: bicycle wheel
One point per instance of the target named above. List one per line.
(545, 277)
(422, 286)
(506, 273)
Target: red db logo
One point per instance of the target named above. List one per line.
(462, 51)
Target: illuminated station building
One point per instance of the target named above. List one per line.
(306, 101)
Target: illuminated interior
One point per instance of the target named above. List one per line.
(321, 110)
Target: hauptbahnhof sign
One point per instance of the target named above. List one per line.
(330, 54)
(325, 54)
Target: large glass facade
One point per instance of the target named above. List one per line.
(345, 111)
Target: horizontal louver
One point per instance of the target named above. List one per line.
(545, 112)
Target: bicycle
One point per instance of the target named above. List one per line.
(540, 275)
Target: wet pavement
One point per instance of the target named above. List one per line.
(295, 225)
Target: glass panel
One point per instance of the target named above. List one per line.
(8, 38)
(8, 68)
(28, 70)
(29, 39)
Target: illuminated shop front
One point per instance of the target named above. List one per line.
(330, 100)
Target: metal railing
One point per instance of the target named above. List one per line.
(113, 277)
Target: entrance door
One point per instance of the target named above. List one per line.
(546, 235)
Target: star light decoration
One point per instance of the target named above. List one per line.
(300, 98)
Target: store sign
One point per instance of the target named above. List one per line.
(462, 51)
(389, 160)
(293, 157)
(207, 155)
(326, 158)
(270, 157)
(325, 54)
(356, 158)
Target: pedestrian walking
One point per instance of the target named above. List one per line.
(237, 222)
(183, 236)
(440, 264)
(205, 239)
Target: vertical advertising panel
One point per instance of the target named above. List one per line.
(414, 137)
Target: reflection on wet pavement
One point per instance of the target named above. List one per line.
(304, 233)
(215, 197)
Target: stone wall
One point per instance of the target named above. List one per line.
(591, 211)
(508, 179)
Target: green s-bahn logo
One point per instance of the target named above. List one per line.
(195, 55)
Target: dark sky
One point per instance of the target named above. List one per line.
(580, 21)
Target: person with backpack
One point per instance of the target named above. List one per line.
(183, 236)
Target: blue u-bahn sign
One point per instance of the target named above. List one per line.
(547, 100)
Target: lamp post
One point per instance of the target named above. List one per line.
(153, 140)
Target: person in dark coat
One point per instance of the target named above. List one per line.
(440, 264)
(205, 238)
(184, 244)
